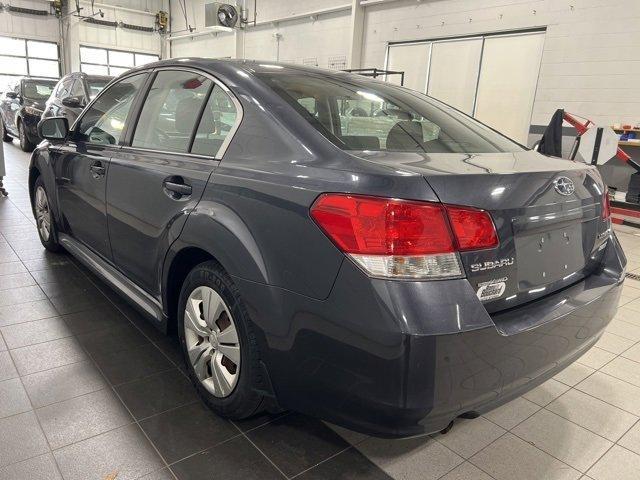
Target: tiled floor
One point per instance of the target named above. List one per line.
(88, 390)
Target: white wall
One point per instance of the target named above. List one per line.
(29, 26)
(135, 12)
(590, 64)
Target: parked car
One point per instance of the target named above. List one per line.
(388, 279)
(72, 93)
(22, 106)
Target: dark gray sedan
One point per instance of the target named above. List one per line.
(331, 244)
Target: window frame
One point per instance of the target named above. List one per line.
(108, 65)
(28, 57)
(131, 124)
(133, 110)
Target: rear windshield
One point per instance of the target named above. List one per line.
(362, 114)
(96, 85)
(38, 89)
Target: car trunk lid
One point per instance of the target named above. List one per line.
(547, 212)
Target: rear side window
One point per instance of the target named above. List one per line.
(170, 112)
(359, 114)
(218, 119)
(104, 121)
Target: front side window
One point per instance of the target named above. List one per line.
(104, 121)
(359, 114)
(171, 110)
(218, 119)
(77, 90)
(38, 89)
(96, 85)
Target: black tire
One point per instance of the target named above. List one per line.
(5, 136)
(25, 144)
(50, 242)
(244, 400)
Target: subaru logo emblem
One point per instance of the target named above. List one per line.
(564, 186)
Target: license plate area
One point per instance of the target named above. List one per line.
(545, 257)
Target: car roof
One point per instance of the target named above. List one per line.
(231, 66)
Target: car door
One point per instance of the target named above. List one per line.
(55, 107)
(159, 176)
(82, 163)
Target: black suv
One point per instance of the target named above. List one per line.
(329, 243)
(72, 93)
(22, 106)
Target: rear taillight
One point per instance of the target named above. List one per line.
(606, 206)
(401, 238)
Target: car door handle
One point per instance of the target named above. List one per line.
(178, 187)
(97, 169)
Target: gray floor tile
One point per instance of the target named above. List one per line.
(27, 312)
(624, 369)
(612, 390)
(617, 464)
(633, 353)
(3, 345)
(466, 471)
(596, 358)
(37, 468)
(512, 413)
(62, 383)
(12, 268)
(21, 438)
(574, 374)
(82, 417)
(468, 437)
(56, 353)
(593, 414)
(36, 331)
(164, 474)
(613, 343)
(511, 458)
(631, 439)
(13, 398)
(546, 393)
(7, 368)
(16, 296)
(562, 439)
(124, 453)
(16, 280)
(407, 459)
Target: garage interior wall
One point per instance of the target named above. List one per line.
(584, 68)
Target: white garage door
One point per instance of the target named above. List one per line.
(491, 77)
(508, 80)
(19, 56)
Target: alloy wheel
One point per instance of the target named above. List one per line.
(21, 136)
(212, 341)
(43, 214)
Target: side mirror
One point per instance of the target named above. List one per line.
(54, 129)
(12, 94)
(73, 102)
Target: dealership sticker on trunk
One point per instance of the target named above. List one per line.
(492, 289)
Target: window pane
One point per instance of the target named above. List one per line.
(12, 46)
(104, 121)
(96, 85)
(142, 59)
(42, 49)
(218, 119)
(121, 59)
(93, 55)
(115, 71)
(38, 89)
(170, 111)
(377, 116)
(43, 68)
(13, 65)
(94, 69)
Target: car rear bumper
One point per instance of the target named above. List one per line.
(405, 358)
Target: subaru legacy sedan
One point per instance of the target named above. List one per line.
(331, 244)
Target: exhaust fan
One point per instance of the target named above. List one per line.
(220, 15)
